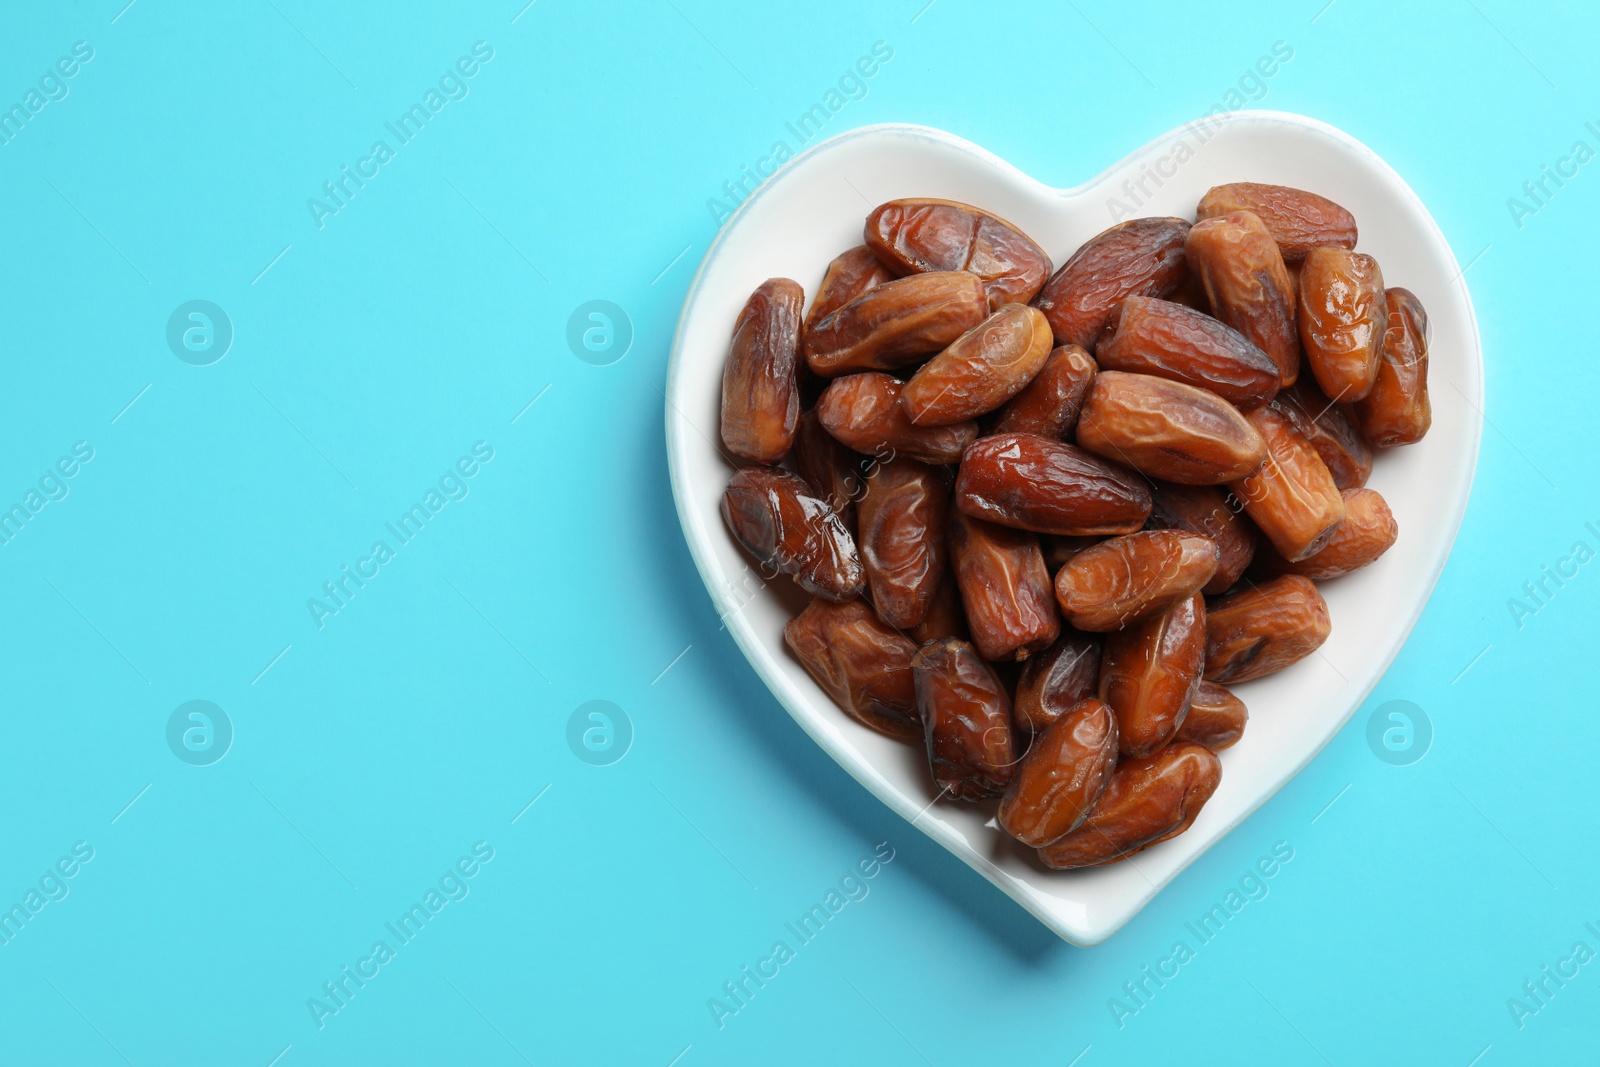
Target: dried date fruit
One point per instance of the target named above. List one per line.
(1124, 579)
(848, 276)
(1058, 550)
(1048, 486)
(1149, 672)
(1147, 801)
(828, 467)
(1247, 285)
(1264, 628)
(774, 515)
(1140, 257)
(760, 390)
(1168, 340)
(1005, 589)
(1338, 443)
(864, 665)
(1342, 316)
(1397, 411)
(901, 536)
(982, 369)
(1054, 681)
(1168, 430)
(1049, 405)
(914, 236)
(966, 719)
(1062, 776)
(1204, 510)
(945, 617)
(1216, 718)
(1299, 221)
(1365, 534)
(1292, 498)
(863, 411)
(896, 323)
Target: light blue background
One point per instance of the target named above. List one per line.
(428, 713)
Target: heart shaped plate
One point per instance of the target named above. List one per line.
(813, 208)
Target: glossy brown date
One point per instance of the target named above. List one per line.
(778, 520)
(1048, 486)
(1365, 534)
(966, 720)
(981, 369)
(1324, 423)
(901, 535)
(1299, 221)
(1205, 510)
(1049, 405)
(915, 236)
(1342, 316)
(848, 276)
(1292, 498)
(1005, 589)
(1168, 340)
(1054, 681)
(863, 411)
(1247, 285)
(1124, 579)
(1264, 628)
(760, 389)
(1168, 430)
(1216, 718)
(1397, 411)
(1062, 776)
(1140, 257)
(896, 323)
(1147, 801)
(1149, 672)
(864, 665)
(945, 617)
(829, 468)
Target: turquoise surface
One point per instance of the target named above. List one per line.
(398, 828)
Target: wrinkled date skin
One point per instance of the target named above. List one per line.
(1293, 498)
(1247, 285)
(1054, 681)
(1048, 486)
(1365, 534)
(914, 236)
(848, 276)
(863, 412)
(1049, 405)
(1151, 336)
(1062, 776)
(1299, 221)
(901, 534)
(760, 388)
(1168, 430)
(982, 369)
(1264, 629)
(1342, 317)
(1147, 801)
(1140, 257)
(1216, 718)
(1204, 510)
(1058, 550)
(828, 467)
(966, 719)
(1149, 672)
(896, 323)
(1005, 588)
(1324, 424)
(778, 520)
(945, 617)
(1124, 579)
(864, 665)
(1397, 411)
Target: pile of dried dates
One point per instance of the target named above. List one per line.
(1047, 516)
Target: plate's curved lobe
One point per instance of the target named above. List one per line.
(813, 209)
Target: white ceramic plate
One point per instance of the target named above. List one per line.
(814, 208)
